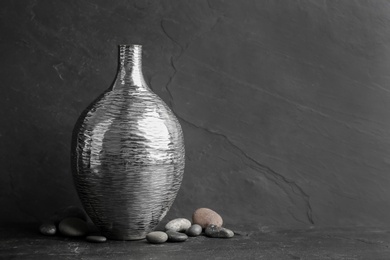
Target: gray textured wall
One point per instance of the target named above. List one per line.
(285, 105)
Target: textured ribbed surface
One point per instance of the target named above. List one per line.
(127, 155)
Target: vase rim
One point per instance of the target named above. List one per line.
(130, 45)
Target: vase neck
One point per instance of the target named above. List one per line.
(130, 66)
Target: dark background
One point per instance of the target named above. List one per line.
(285, 105)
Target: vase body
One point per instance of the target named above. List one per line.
(127, 154)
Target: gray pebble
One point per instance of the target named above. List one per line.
(219, 232)
(174, 236)
(96, 239)
(48, 229)
(157, 237)
(194, 231)
(73, 227)
(178, 225)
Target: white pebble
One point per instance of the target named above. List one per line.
(178, 225)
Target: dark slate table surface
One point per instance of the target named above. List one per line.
(23, 241)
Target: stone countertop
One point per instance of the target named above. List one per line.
(25, 242)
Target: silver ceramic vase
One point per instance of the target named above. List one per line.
(127, 154)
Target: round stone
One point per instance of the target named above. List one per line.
(73, 227)
(194, 231)
(157, 237)
(174, 236)
(96, 239)
(178, 225)
(48, 229)
(205, 217)
(218, 232)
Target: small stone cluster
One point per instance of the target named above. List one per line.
(73, 223)
(179, 229)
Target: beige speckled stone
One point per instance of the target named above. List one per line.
(205, 217)
(48, 229)
(178, 225)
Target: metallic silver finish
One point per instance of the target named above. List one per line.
(127, 154)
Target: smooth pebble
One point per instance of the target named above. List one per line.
(205, 217)
(194, 231)
(157, 237)
(218, 232)
(73, 227)
(178, 225)
(48, 229)
(96, 239)
(174, 236)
